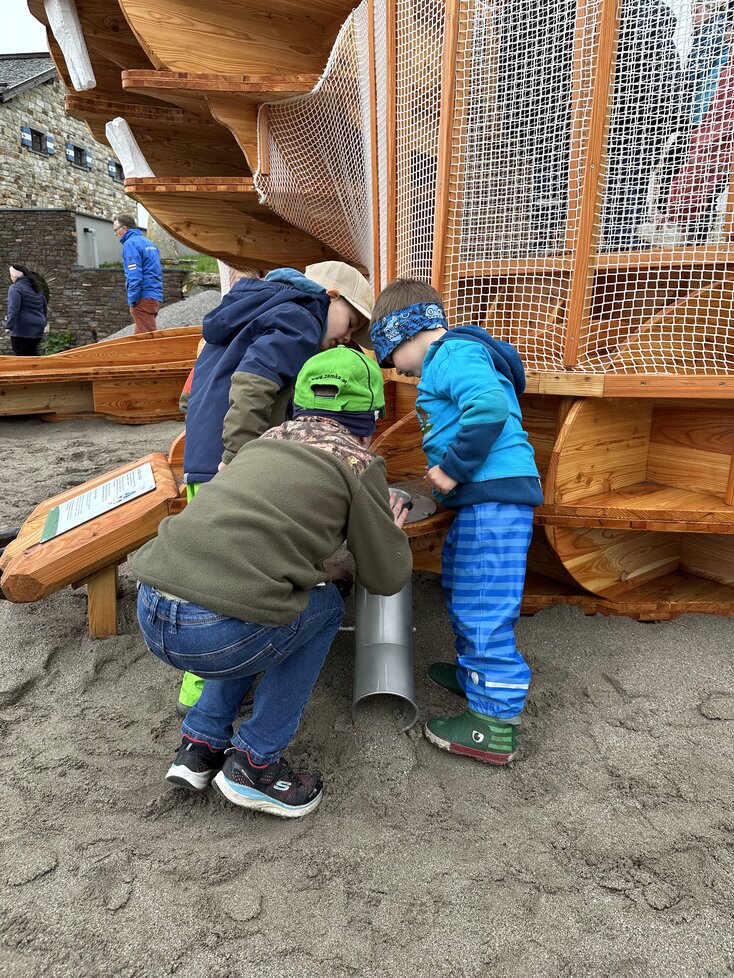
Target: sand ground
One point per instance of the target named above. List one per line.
(606, 850)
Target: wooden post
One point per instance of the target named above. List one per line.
(445, 143)
(391, 138)
(102, 602)
(586, 167)
(263, 144)
(375, 156)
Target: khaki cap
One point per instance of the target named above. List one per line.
(352, 286)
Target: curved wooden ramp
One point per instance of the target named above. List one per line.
(224, 218)
(131, 380)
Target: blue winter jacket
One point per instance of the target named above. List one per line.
(471, 420)
(27, 310)
(257, 339)
(141, 261)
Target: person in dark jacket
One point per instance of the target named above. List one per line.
(27, 311)
(257, 339)
(141, 262)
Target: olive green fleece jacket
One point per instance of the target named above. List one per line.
(252, 542)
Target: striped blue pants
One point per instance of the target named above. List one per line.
(484, 558)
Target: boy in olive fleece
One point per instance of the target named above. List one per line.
(235, 585)
(257, 339)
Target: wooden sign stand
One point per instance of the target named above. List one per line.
(91, 553)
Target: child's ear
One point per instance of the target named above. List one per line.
(333, 294)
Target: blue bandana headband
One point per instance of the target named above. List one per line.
(399, 326)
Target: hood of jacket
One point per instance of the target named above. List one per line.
(250, 298)
(505, 357)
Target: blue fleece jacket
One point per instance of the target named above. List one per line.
(27, 310)
(471, 419)
(141, 261)
(268, 328)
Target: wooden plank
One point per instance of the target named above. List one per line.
(400, 446)
(603, 447)
(102, 603)
(710, 557)
(32, 569)
(232, 226)
(50, 396)
(647, 501)
(610, 562)
(265, 87)
(150, 398)
(591, 180)
(445, 143)
(233, 36)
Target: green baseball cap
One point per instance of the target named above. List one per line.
(356, 378)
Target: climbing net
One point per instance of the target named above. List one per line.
(587, 217)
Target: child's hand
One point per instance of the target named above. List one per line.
(399, 509)
(222, 465)
(437, 479)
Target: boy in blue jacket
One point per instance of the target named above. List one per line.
(141, 262)
(481, 464)
(257, 340)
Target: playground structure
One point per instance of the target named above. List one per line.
(131, 380)
(550, 167)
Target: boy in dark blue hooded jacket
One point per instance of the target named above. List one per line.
(257, 340)
(481, 464)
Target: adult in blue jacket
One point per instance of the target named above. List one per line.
(141, 262)
(27, 311)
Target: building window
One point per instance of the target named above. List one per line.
(37, 141)
(115, 171)
(79, 156)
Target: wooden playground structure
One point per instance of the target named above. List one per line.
(503, 152)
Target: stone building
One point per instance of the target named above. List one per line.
(59, 191)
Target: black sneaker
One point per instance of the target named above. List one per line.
(195, 765)
(272, 788)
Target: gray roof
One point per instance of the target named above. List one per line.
(19, 72)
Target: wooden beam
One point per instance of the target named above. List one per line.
(588, 163)
(391, 139)
(102, 602)
(374, 155)
(445, 143)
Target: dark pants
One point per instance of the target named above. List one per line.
(24, 346)
(144, 313)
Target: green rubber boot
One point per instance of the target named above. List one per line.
(481, 737)
(443, 674)
(191, 687)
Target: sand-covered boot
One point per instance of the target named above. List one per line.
(443, 674)
(191, 687)
(474, 735)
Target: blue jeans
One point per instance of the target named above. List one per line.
(229, 653)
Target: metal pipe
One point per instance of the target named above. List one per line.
(383, 663)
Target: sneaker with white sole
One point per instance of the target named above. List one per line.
(195, 765)
(272, 788)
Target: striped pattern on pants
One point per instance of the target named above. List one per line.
(484, 559)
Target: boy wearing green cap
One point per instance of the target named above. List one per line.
(256, 598)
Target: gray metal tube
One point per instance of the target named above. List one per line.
(384, 658)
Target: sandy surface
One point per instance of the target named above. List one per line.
(605, 851)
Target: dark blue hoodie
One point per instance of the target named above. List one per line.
(26, 310)
(265, 330)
